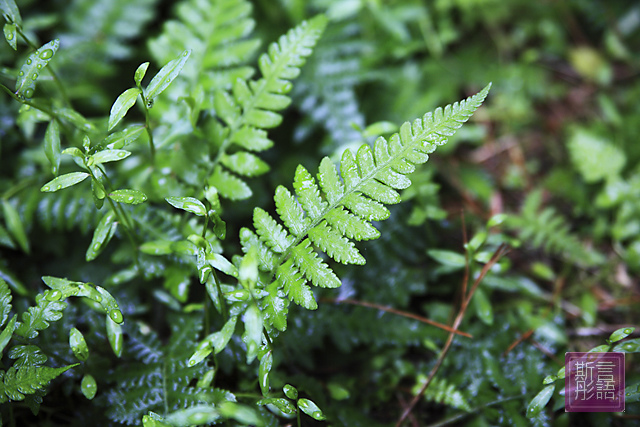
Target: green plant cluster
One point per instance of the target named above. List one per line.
(199, 174)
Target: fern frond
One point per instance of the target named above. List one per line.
(343, 205)
(546, 229)
(48, 308)
(441, 391)
(217, 33)
(16, 382)
(254, 105)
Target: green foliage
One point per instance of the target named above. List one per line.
(143, 157)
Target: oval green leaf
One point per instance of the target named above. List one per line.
(540, 401)
(131, 197)
(33, 67)
(189, 204)
(620, 334)
(164, 77)
(311, 409)
(105, 156)
(101, 236)
(64, 181)
(263, 372)
(140, 72)
(114, 334)
(52, 145)
(10, 35)
(123, 103)
(448, 258)
(290, 391)
(88, 386)
(483, 307)
(78, 345)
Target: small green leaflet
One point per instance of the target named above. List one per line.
(64, 181)
(11, 35)
(88, 386)
(105, 156)
(123, 103)
(189, 204)
(131, 197)
(101, 236)
(140, 72)
(52, 145)
(165, 76)
(32, 67)
(115, 336)
(78, 345)
(311, 409)
(540, 401)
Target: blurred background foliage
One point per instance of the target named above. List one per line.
(555, 148)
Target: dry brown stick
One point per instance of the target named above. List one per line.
(463, 308)
(398, 312)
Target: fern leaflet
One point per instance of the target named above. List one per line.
(252, 107)
(341, 207)
(16, 382)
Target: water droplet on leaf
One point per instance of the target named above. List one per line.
(29, 61)
(28, 92)
(54, 295)
(34, 76)
(46, 54)
(116, 316)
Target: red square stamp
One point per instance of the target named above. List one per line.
(594, 382)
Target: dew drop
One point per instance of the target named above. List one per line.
(116, 315)
(21, 73)
(122, 154)
(29, 61)
(130, 198)
(186, 53)
(96, 246)
(98, 298)
(28, 92)
(39, 66)
(9, 36)
(59, 187)
(192, 362)
(45, 188)
(54, 295)
(34, 76)
(46, 54)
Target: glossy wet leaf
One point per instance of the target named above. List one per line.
(189, 204)
(33, 68)
(242, 413)
(88, 386)
(620, 334)
(448, 258)
(290, 391)
(11, 35)
(101, 236)
(219, 262)
(284, 405)
(483, 307)
(123, 103)
(78, 345)
(14, 224)
(629, 346)
(105, 156)
(118, 140)
(540, 401)
(252, 336)
(164, 77)
(140, 73)
(131, 197)
(52, 145)
(311, 409)
(264, 369)
(115, 336)
(64, 181)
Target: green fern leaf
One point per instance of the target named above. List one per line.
(48, 308)
(5, 301)
(16, 382)
(255, 104)
(342, 206)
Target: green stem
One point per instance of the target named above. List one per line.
(56, 79)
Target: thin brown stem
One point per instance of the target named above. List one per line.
(398, 312)
(458, 320)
